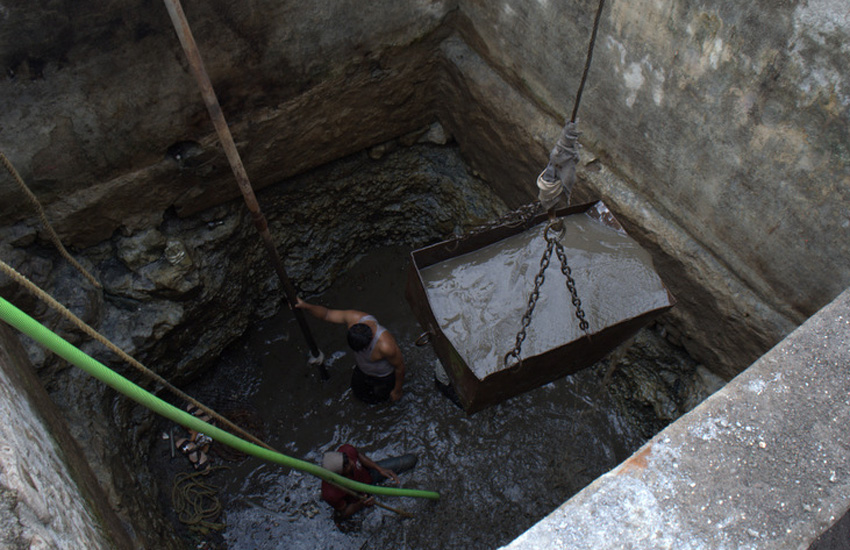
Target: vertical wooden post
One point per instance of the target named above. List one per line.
(184, 33)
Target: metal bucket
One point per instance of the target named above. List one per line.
(480, 385)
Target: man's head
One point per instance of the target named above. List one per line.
(359, 336)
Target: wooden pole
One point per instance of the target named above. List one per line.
(184, 33)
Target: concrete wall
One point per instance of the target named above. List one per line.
(716, 132)
(727, 121)
(761, 464)
(732, 119)
(48, 495)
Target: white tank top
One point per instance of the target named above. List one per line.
(363, 358)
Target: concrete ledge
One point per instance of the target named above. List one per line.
(49, 496)
(763, 463)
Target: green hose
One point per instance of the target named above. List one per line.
(44, 336)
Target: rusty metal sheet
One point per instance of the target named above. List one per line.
(481, 382)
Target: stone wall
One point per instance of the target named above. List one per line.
(98, 101)
(176, 295)
(49, 497)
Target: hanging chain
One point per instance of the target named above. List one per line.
(552, 243)
(571, 286)
(532, 302)
(522, 216)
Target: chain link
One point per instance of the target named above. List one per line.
(571, 286)
(522, 216)
(532, 302)
(552, 243)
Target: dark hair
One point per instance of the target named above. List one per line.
(359, 336)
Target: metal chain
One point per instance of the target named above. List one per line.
(551, 243)
(571, 286)
(532, 302)
(522, 216)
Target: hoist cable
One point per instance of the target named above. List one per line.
(587, 61)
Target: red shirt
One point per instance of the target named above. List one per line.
(335, 496)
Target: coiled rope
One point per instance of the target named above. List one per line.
(196, 502)
(45, 222)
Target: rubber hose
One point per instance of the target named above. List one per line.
(47, 338)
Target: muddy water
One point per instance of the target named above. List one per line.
(498, 471)
(479, 298)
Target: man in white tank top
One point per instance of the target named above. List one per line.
(379, 370)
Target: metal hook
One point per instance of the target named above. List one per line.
(558, 226)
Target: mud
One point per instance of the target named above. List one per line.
(498, 471)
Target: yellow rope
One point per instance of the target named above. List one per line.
(196, 503)
(79, 323)
(45, 222)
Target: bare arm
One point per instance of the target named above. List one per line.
(389, 350)
(341, 316)
(369, 463)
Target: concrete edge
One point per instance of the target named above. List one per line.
(762, 463)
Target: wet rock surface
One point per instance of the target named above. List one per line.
(177, 294)
(653, 382)
(107, 159)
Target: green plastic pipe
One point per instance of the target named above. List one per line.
(47, 338)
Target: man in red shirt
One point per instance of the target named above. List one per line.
(353, 464)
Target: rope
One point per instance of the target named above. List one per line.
(80, 324)
(587, 61)
(196, 503)
(27, 284)
(50, 340)
(558, 177)
(45, 222)
(560, 173)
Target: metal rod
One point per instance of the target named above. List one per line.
(184, 33)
